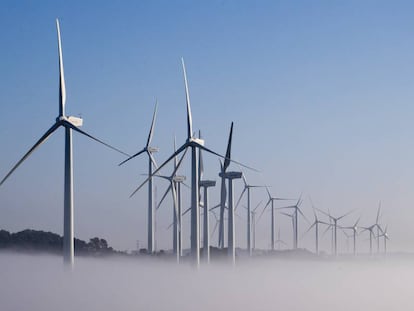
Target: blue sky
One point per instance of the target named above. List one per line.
(320, 92)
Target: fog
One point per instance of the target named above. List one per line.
(39, 282)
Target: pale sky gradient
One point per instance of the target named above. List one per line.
(321, 93)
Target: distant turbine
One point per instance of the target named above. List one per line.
(370, 229)
(253, 226)
(296, 209)
(292, 217)
(316, 225)
(175, 188)
(270, 203)
(335, 227)
(279, 241)
(69, 123)
(151, 161)
(384, 234)
(354, 229)
(246, 189)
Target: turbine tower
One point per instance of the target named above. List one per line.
(151, 161)
(205, 184)
(69, 123)
(246, 190)
(231, 236)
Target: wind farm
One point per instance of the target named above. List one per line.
(209, 141)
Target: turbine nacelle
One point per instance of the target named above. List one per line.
(196, 140)
(76, 121)
(152, 149)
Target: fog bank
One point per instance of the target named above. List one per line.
(39, 282)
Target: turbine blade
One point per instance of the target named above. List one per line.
(215, 229)
(35, 146)
(228, 151)
(345, 215)
(378, 212)
(241, 195)
(257, 205)
(154, 116)
(303, 215)
(133, 156)
(175, 149)
(181, 149)
(323, 212)
(187, 97)
(219, 155)
(186, 211)
(263, 210)
(62, 87)
(73, 127)
(164, 196)
(309, 229)
(214, 207)
(152, 159)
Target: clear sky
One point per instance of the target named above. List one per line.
(320, 92)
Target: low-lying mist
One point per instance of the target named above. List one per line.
(40, 283)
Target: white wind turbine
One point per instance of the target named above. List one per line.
(246, 190)
(69, 123)
(316, 225)
(270, 203)
(175, 188)
(253, 226)
(151, 161)
(296, 211)
(192, 143)
(354, 229)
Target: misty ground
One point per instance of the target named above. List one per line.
(39, 282)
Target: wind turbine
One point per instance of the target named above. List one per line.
(354, 229)
(296, 209)
(246, 189)
(270, 203)
(292, 217)
(279, 241)
(335, 226)
(69, 123)
(223, 193)
(253, 227)
(151, 161)
(193, 143)
(316, 225)
(175, 188)
(384, 234)
(371, 234)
